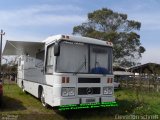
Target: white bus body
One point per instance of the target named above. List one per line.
(65, 69)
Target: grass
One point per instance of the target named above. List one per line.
(28, 107)
(25, 105)
(145, 102)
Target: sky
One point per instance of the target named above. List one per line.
(35, 20)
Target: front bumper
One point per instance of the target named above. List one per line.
(70, 101)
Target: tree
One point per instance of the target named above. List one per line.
(107, 25)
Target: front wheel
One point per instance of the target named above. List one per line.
(43, 99)
(23, 89)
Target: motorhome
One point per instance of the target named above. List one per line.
(65, 69)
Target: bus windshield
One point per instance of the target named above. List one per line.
(84, 58)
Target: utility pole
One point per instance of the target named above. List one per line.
(1, 34)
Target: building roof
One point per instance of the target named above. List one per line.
(122, 73)
(118, 68)
(146, 68)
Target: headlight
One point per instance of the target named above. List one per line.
(64, 92)
(71, 91)
(108, 90)
(68, 91)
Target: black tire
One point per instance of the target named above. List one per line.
(43, 99)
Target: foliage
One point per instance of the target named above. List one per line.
(107, 25)
(6, 68)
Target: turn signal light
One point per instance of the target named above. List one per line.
(65, 79)
(109, 80)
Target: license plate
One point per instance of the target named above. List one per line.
(90, 100)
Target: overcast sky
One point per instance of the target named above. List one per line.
(35, 20)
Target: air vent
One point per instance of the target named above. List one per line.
(88, 80)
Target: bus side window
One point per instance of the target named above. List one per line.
(50, 59)
(19, 62)
(39, 59)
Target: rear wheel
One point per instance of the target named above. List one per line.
(43, 99)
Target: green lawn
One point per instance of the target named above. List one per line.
(15, 102)
(143, 103)
(25, 105)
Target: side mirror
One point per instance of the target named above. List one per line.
(56, 49)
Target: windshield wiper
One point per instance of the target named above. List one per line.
(80, 67)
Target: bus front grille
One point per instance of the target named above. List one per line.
(89, 90)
